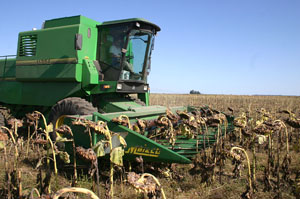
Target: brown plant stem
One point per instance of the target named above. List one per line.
(248, 161)
(90, 194)
(278, 177)
(51, 143)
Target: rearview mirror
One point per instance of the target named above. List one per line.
(78, 41)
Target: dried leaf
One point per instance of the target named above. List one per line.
(99, 149)
(62, 139)
(122, 141)
(64, 156)
(261, 139)
(39, 163)
(2, 144)
(49, 128)
(116, 156)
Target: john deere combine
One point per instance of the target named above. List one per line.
(77, 66)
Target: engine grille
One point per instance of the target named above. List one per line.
(27, 46)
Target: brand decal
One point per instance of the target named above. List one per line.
(46, 61)
(139, 150)
(43, 61)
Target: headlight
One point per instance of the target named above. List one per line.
(119, 86)
(145, 87)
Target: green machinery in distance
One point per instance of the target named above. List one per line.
(78, 66)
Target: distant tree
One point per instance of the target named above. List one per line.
(195, 92)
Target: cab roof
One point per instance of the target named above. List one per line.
(157, 28)
(79, 19)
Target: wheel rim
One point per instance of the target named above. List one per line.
(59, 122)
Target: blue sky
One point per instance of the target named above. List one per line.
(213, 46)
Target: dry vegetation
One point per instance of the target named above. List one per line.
(221, 102)
(219, 172)
(232, 187)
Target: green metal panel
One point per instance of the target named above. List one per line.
(10, 91)
(7, 68)
(52, 43)
(139, 145)
(121, 105)
(144, 97)
(89, 75)
(99, 89)
(86, 27)
(47, 94)
(65, 21)
(89, 42)
(55, 56)
(139, 112)
(53, 73)
(48, 68)
(56, 45)
(113, 102)
(36, 93)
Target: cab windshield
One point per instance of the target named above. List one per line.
(136, 55)
(125, 54)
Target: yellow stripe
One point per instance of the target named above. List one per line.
(145, 154)
(8, 79)
(47, 61)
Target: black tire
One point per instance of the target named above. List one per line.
(70, 106)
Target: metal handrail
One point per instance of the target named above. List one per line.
(8, 56)
(5, 58)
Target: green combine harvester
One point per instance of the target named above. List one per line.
(78, 66)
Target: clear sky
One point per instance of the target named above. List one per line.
(213, 46)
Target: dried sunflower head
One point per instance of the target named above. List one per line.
(64, 129)
(86, 154)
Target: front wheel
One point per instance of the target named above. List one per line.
(69, 106)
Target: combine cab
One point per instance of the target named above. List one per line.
(77, 66)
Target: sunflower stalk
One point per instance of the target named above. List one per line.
(46, 131)
(248, 162)
(60, 192)
(13, 139)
